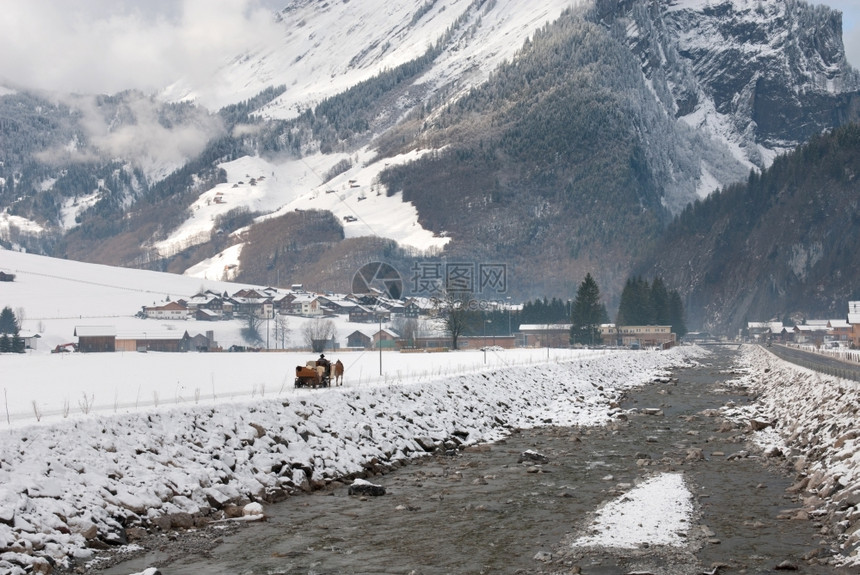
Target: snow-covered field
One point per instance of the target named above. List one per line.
(94, 444)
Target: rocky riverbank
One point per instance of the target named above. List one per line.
(74, 490)
(808, 420)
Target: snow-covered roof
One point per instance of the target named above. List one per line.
(387, 332)
(305, 298)
(810, 328)
(95, 330)
(773, 326)
(152, 335)
(544, 326)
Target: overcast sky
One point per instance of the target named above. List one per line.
(105, 46)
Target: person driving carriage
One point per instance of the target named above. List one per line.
(326, 364)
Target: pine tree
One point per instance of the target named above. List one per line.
(18, 345)
(8, 321)
(660, 302)
(587, 313)
(676, 315)
(636, 307)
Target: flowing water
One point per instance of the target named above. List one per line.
(485, 511)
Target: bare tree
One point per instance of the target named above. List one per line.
(407, 328)
(251, 331)
(282, 330)
(457, 313)
(317, 332)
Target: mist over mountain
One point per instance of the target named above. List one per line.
(558, 140)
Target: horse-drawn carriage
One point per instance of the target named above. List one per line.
(314, 374)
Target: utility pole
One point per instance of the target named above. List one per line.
(379, 339)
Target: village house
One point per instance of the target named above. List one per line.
(394, 307)
(253, 305)
(854, 320)
(249, 293)
(385, 339)
(810, 333)
(30, 338)
(370, 299)
(218, 304)
(307, 305)
(784, 336)
(839, 330)
(171, 310)
(338, 305)
(283, 303)
(363, 314)
(359, 340)
(202, 342)
(203, 314)
(764, 330)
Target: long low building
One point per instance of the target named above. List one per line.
(638, 335)
(545, 334)
(93, 339)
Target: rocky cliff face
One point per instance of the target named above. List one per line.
(761, 76)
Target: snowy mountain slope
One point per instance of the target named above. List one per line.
(328, 47)
(272, 189)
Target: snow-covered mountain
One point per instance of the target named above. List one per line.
(763, 76)
(480, 129)
(329, 47)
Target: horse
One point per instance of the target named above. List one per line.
(338, 372)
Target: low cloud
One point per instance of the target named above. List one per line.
(107, 46)
(133, 128)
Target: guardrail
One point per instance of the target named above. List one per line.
(822, 364)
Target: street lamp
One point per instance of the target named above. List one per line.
(510, 332)
(379, 339)
(546, 338)
(484, 339)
